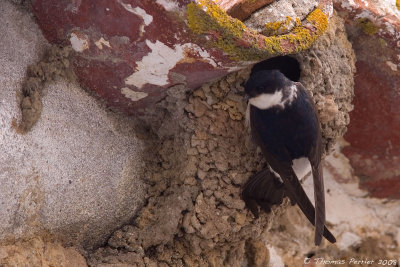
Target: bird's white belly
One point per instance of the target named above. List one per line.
(301, 167)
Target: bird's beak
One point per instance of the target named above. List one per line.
(246, 98)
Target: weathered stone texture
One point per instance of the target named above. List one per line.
(374, 133)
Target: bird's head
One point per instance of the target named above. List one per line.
(265, 82)
(268, 88)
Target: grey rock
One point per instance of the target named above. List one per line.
(76, 174)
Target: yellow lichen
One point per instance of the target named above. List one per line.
(304, 39)
(207, 17)
(367, 26)
(319, 20)
(298, 22)
(273, 45)
(277, 27)
(241, 43)
(300, 38)
(217, 18)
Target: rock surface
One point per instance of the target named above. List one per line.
(242, 9)
(282, 14)
(76, 174)
(374, 133)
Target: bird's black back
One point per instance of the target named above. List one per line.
(294, 127)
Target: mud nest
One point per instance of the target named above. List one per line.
(198, 155)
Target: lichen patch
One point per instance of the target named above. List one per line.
(244, 44)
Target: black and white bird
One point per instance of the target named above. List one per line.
(285, 125)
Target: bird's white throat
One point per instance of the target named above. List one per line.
(266, 101)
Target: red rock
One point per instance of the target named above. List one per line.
(374, 130)
(131, 51)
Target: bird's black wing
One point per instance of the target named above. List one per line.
(293, 188)
(295, 192)
(316, 167)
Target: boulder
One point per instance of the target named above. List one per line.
(76, 174)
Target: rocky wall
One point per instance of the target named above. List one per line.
(198, 156)
(373, 28)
